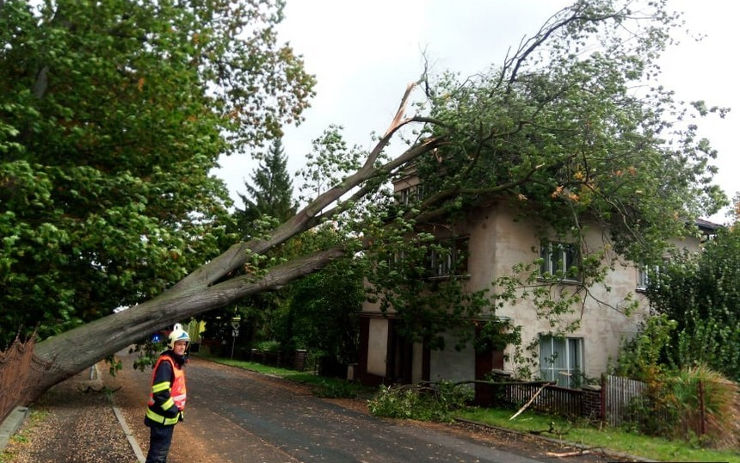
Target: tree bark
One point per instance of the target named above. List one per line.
(59, 357)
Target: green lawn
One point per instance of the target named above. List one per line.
(323, 387)
(608, 438)
(549, 426)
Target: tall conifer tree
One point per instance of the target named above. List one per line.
(270, 192)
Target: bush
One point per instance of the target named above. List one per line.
(394, 402)
(425, 402)
(268, 346)
(720, 401)
(672, 407)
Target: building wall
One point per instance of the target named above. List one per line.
(497, 242)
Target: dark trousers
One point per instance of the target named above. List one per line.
(160, 438)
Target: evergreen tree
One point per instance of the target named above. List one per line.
(269, 201)
(270, 192)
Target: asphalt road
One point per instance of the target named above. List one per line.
(251, 415)
(234, 415)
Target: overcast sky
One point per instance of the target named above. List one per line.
(365, 53)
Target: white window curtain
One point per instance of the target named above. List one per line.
(561, 360)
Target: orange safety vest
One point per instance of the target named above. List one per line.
(178, 393)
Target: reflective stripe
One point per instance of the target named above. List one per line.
(161, 419)
(168, 403)
(160, 386)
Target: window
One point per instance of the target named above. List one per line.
(411, 195)
(644, 273)
(561, 360)
(448, 258)
(560, 260)
(442, 260)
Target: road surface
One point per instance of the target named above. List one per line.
(238, 416)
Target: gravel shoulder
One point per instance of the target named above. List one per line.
(76, 425)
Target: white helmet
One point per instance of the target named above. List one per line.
(178, 334)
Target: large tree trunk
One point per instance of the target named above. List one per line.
(62, 356)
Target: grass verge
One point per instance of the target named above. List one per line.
(607, 438)
(321, 386)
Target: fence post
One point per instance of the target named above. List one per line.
(702, 425)
(602, 395)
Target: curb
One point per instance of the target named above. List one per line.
(11, 424)
(129, 435)
(121, 420)
(559, 441)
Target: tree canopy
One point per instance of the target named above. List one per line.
(701, 296)
(112, 115)
(576, 124)
(573, 128)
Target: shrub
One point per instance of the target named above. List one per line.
(673, 402)
(394, 402)
(720, 402)
(426, 402)
(268, 346)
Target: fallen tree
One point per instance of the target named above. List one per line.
(558, 133)
(208, 287)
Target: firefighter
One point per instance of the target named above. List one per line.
(167, 396)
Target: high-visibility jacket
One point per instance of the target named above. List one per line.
(167, 395)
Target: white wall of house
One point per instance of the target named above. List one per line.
(497, 242)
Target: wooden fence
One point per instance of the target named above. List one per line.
(549, 398)
(618, 392)
(609, 402)
(552, 399)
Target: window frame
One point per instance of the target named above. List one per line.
(573, 376)
(440, 266)
(411, 194)
(568, 252)
(643, 276)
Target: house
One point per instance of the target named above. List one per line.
(497, 240)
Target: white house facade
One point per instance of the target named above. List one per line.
(496, 241)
